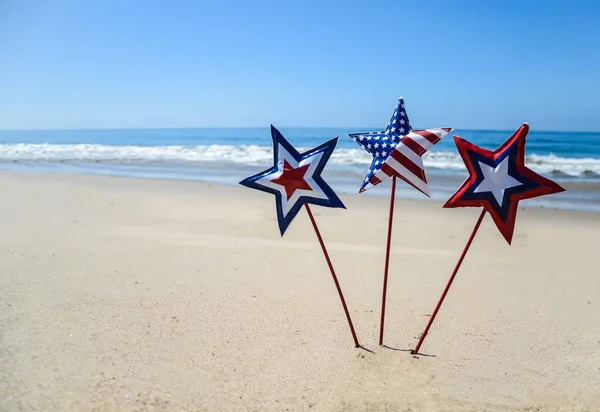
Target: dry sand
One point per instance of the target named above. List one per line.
(140, 295)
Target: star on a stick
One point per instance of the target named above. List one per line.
(397, 151)
(498, 180)
(295, 179)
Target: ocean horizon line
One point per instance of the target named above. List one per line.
(365, 129)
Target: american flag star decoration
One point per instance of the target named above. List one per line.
(295, 179)
(397, 151)
(499, 179)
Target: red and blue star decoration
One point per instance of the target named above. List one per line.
(295, 179)
(498, 180)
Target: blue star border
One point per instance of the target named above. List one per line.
(332, 200)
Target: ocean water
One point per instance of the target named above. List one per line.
(227, 155)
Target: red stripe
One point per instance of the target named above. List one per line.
(388, 170)
(409, 164)
(374, 180)
(414, 146)
(432, 137)
(411, 183)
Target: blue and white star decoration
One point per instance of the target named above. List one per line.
(498, 180)
(295, 179)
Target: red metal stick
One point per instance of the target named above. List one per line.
(337, 284)
(437, 308)
(387, 260)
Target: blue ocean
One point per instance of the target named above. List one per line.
(227, 155)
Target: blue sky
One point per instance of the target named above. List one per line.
(133, 63)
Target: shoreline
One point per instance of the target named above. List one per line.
(580, 195)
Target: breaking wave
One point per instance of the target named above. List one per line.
(253, 155)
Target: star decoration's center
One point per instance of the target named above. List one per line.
(496, 180)
(292, 179)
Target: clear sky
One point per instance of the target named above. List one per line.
(146, 63)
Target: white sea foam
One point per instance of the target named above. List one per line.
(547, 164)
(253, 155)
(139, 154)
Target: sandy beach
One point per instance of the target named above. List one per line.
(146, 295)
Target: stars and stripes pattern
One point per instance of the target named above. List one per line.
(406, 163)
(397, 151)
